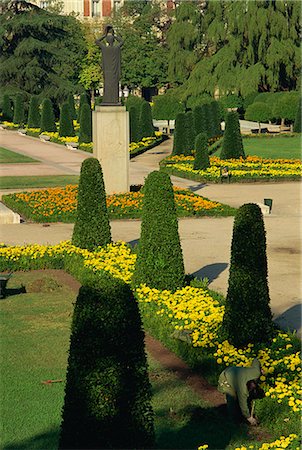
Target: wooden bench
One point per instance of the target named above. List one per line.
(225, 174)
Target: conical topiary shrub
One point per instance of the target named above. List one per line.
(199, 118)
(159, 261)
(190, 133)
(297, 124)
(215, 119)
(107, 396)
(202, 160)
(70, 101)
(232, 146)
(83, 99)
(19, 109)
(34, 116)
(66, 123)
(134, 124)
(248, 318)
(85, 124)
(179, 142)
(7, 112)
(92, 227)
(48, 122)
(145, 120)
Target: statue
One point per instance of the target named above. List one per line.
(111, 65)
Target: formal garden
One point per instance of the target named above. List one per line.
(88, 324)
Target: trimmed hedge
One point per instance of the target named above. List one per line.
(34, 116)
(7, 112)
(145, 121)
(160, 261)
(179, 142)
(19, 110)
(214, 119)
(199, 120)
(83, 100)
(248, 318)
(85, 134)
(70, 101)
(134, 124)
(202, 160)
(108, 394)
(48, 122)
(232, 146)
(190, 133)
(66, 123)
(92, 227)
(297, 124)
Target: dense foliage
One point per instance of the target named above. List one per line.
(7, 112)
(48, 122)
(145, 120)
(66, 123)
(232, 146)
(248, 318)
(34, 116)
(85, 124)
(92, 227)
(159, 261)
(200, 119)
(107, 395)
(70, 101)
(298, 118)
(134, 124)
(202, 160)
(19, 109)
(179, 141)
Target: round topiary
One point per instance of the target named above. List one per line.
(202, 160)
(85, 124)
(145, 120)
(248, 318)
(66, 123)
(199, 120)
(83, 99)
(159, 261)
(190, 133)
(70, 101)
(7, 112)
(34, 116)
(48, 122)
(107, 395)
(92, 227)
(179, 142)
(297, 124)
(19, 110)
(134, 124)
(232, 146)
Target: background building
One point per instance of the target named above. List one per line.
(85, 8)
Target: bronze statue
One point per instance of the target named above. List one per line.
(111, 55)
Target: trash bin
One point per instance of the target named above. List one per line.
(269, 202)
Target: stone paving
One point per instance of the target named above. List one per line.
(205, 241)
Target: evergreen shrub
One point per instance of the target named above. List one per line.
(7, 112)
(85, 124)
(145, 120)
(107, 395)
(159, 261)
(199, 120)
(190, 133)
(297, 123)
(179, 142)
(34, 116)
(202, 160)
(134, 124)
(215, 119)
(66, 123)
(70, 101)
(248, 318)
(232, 146)
(19, 110)
(48, 122)
(92, 227)
(83, 100)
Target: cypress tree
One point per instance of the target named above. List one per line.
(232, 146)
(7, 112)
(190, 133)
(208, 116)
(297, 124)
(199, 119)
(70, 101)
(48, 122)
(134, 124)
(179, 142)
(66, 122)
(159, 261)
(215, 119)
(145, 120)
(202, 160)
(92, 227)
(34, 116)
(19, 109)
(248, 318)
(85, 124)
(107, 395)
(83, 99)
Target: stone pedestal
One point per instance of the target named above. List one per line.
(110, 126)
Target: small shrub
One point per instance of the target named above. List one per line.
(190, 133)
(248, 318)
(66, 123)
(92, 227)
(19, 110)
(134, 124)
(70, 101)
(85, 124)
(107, 395)
(145, 120)
(34, 116)
(202, 160)
(297, 124)
(7, 112)
(232, 146)
(160, 261)
(47, 116)
(179, 142)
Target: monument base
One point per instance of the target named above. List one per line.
(110, 125)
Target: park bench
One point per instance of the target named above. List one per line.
(225, 174)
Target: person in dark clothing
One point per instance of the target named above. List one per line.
(239, 384)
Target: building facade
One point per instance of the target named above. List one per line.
(86, 8)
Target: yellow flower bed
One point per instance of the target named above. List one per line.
(278, 444)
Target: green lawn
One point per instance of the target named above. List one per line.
(10, 157)
(36, 181)
(35, 339)
(273, 147)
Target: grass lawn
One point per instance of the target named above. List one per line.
(37, 182)
(10, 157)
(35, 339)
(273, 147)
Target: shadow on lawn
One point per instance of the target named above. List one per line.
(211, 271)
(46, 441)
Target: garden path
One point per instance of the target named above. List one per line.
(205, 241)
